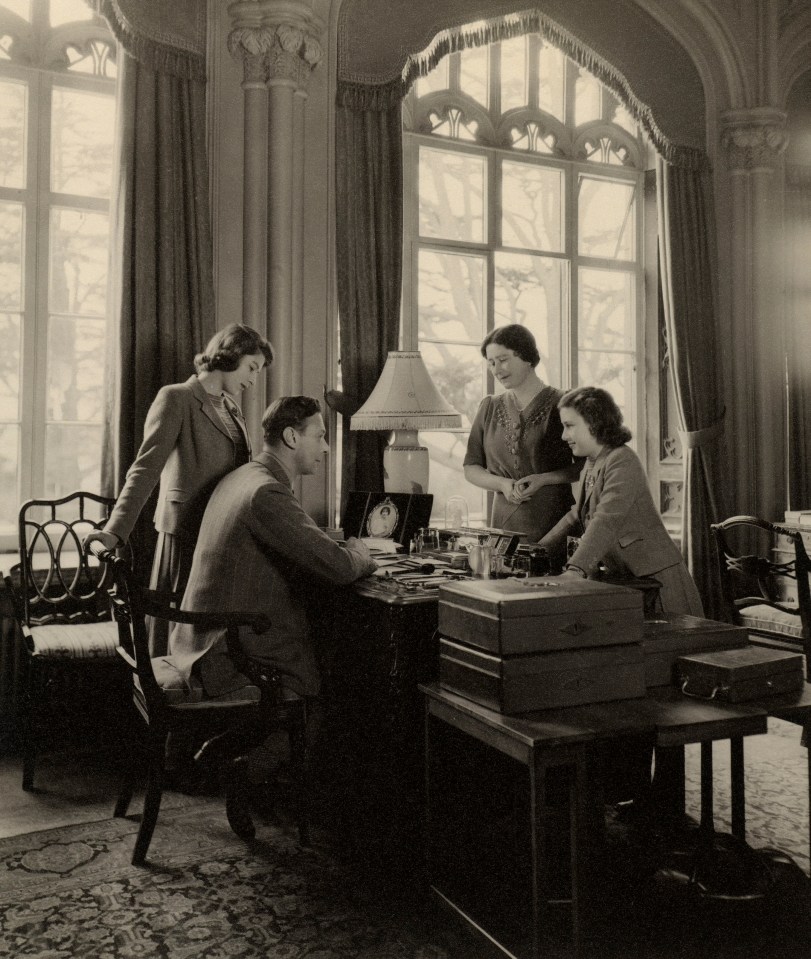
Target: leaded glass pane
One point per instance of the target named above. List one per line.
(615, 372)
(586, 99)
(459, 375)
(78, 262)
(552, 81)
(452, 189)
(69, 11)
(531, 290)
(435, 81)
(531, 206)
(10, 360)
(447, 453)
(72, 458)
(607, 310)
(12, 221)
(75, 369)
(451, 298)
(13, 115)
(9, 459)
(82, 131)
(22, 8)
(473, 73)
(513, 73)
(606, 218)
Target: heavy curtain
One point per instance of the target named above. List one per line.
(798, 302)
(686, 229)
(369, 242)
(161, 249)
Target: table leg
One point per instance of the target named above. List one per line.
(707, 826)
(738, 787)
(537, 807)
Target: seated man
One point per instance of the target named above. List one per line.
(258, 551)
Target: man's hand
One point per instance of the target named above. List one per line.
(107, 540)
(362, 550)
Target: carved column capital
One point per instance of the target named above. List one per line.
(754, 139)
(251, 44)
(285, 33)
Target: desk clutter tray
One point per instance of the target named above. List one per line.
(518, 645)
(738, 675)
(667, 638)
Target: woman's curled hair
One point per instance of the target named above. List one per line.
(227, 347)
(601, 414)
(514, 337)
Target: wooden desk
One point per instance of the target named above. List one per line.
(552, 739)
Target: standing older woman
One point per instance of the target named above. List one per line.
(515, 447)
(193, 435)
(615, 516)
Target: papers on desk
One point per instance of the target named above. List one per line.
(404, 567)
(381, 546)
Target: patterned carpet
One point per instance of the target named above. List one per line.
(71, 893)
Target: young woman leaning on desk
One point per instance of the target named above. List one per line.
(615, 515)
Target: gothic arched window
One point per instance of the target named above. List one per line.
(524, 203)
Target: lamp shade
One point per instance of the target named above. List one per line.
(405, 398)
(404, 401)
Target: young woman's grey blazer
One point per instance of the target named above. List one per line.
(187, 449)
(625, 531)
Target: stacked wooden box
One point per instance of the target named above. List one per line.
(665, 640)
(518, 645)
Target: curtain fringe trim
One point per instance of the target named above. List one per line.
(161, 58)
(359, 96)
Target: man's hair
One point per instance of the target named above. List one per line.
(287, 411)
(601, 414)
(227, 347)
(516, 338)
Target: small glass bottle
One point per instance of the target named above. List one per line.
(456, 514)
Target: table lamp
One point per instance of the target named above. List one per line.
(404, 401)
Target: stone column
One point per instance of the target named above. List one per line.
(753, 142)
(285, 35)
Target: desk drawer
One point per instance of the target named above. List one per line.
(520, 684)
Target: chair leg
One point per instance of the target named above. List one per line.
(152, 800)
(127, 788)
(299, 761)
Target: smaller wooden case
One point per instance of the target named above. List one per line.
(665, 639)
(520, 684)
(510, 617)
(736, 675)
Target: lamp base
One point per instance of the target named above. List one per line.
(405, 464)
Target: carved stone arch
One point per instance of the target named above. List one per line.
(442, 102)
(795, 52)
(522, 116)
(704, 33)
(601, 129)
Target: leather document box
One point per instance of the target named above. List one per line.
(520, 684)
(510, 617)
(665, 639)
(735, 675)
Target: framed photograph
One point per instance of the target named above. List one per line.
(383, 515)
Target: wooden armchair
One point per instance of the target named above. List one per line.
(61, 604)
(763, 592)
(168, 704)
